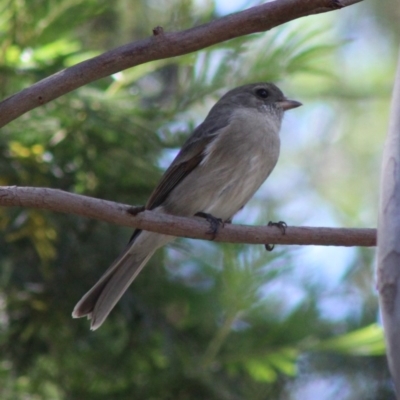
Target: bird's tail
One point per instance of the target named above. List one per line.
(98, 302)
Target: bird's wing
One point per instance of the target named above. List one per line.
(187, 159)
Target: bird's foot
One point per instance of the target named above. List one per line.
(282, 226)
(214, 222)
(135, 210)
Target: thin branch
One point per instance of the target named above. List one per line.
(389, 234)
(115, 213)
(160, 46)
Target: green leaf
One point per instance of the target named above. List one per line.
(260, 371)
(367, 341)
(267, 367)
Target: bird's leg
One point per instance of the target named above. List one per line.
(214, 222)
(135, 210)
(282, 226)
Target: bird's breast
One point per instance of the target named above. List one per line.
(240, 160)
(234, 166)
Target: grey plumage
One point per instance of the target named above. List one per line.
(217, 171)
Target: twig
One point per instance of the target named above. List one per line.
(120, 214)
(219, 338)
(160, 46)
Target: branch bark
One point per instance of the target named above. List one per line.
(388, 275)
(197, 228)
(160, 46)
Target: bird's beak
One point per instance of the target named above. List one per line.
(287, 104)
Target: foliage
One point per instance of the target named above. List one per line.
(202, 320)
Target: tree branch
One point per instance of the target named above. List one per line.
(65, 202)
(389, 233)
(160, 46)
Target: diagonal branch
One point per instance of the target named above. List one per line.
(65, 202)
(162, 45)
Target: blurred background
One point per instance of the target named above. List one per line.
(203, 320)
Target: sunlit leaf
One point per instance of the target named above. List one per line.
(367, 341)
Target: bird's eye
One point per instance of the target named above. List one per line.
(263, 93)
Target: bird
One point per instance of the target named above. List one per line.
(218, 169)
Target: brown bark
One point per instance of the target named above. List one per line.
(160, 46)
(389, 235)
(60, 201)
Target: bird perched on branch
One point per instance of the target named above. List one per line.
(219, 168)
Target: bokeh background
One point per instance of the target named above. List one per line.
(203, 320)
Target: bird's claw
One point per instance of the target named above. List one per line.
(269, 247)
(214, 222)
(282, 226)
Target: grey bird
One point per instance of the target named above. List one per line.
(219, 168)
